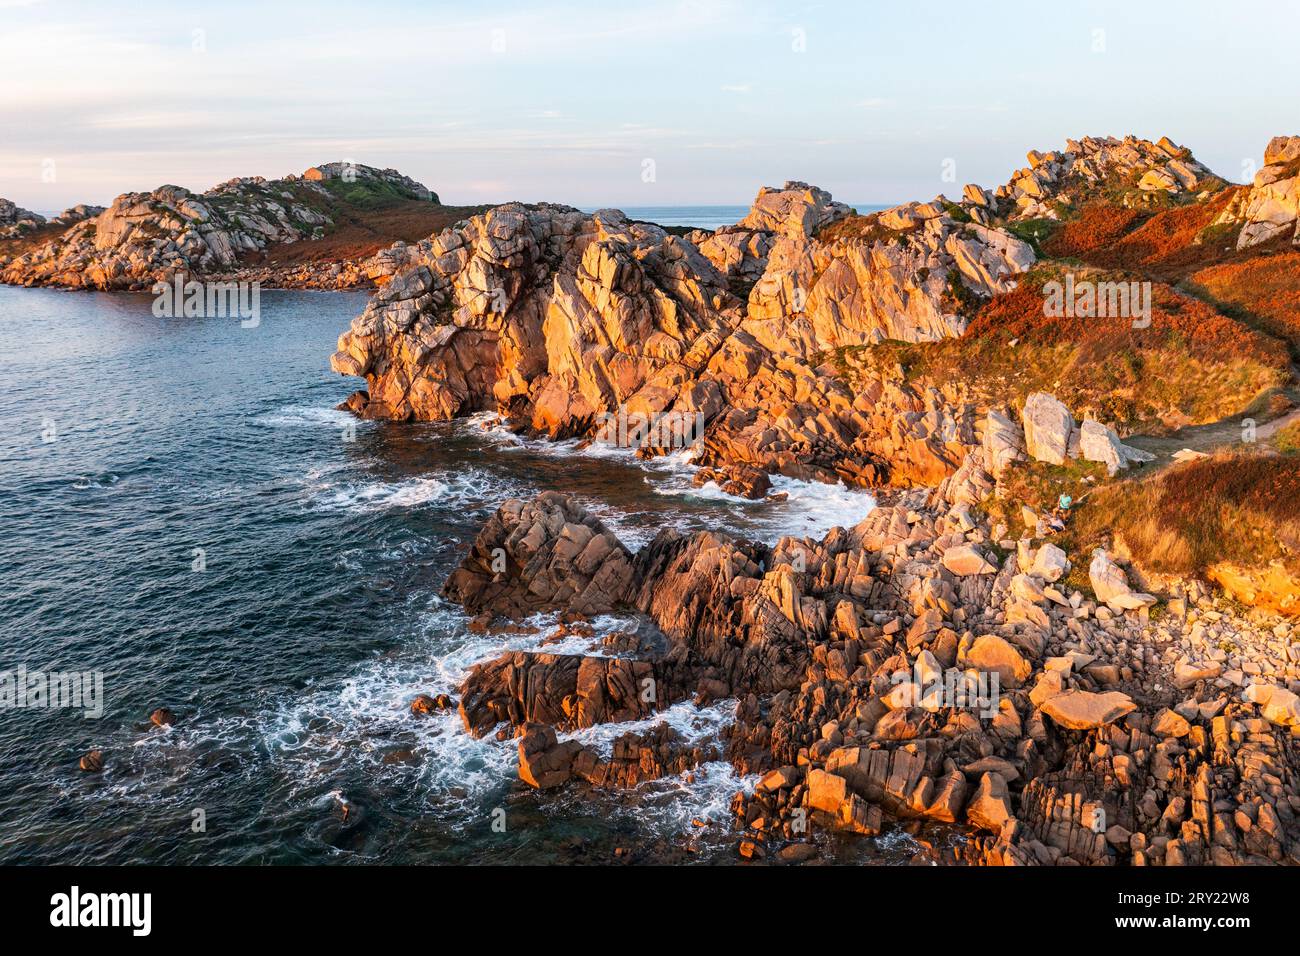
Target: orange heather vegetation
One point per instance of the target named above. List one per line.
(1165, 246)
(1098, 225)
(1193, 326)
(358, 233)
(1192, 365)
(1264, 291)
(1243, 509)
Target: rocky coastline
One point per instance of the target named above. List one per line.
(1066, 632)
(973, 653)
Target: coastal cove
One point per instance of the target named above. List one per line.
(290, 660)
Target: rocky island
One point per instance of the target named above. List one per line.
(1067, 630)
(329, 228)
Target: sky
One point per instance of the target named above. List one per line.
(624, 103)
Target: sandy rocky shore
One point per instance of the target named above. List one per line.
(1140, 719)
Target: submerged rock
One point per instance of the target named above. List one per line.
(92, 762)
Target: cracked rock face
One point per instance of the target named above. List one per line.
(1271, 207)
(862, 667)
(556, 319)
(541, 555)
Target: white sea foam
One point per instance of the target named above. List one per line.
(695, 725)
(367, 716)
(313, 737)
(673, 804)
(300, 416)
(468, 488)
(810, 508)
(103, 480)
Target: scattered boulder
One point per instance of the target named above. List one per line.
(964, 560)
(1050, 563)
(997, 655)
(1110, 584)
(425, 704)
(1004, 442)
(1169, 723)
(1187, 675)
(1048, 428)
(1278, 705)
(990, 806)
(1099, 443)
(1083, 710)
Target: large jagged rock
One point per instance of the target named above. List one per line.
(570, 314)
(146, 237)
(796, 209)
(564, 691)
(541, 555)
(1110, 584)
(882, 282)
(990, 805)
(722, 611)
(1270, 208)
(1098, 442)
(562, 320)
(1004, 442)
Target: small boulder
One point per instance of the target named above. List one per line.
(990, 807)
(1170, 724)
(1278, 705)
(797, 853)
(424, 704)
(1083, 710)
(997, 655)
(1048, 427)
(1050, 563)
(1187, 675)
(92, 762)
(963, 560)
